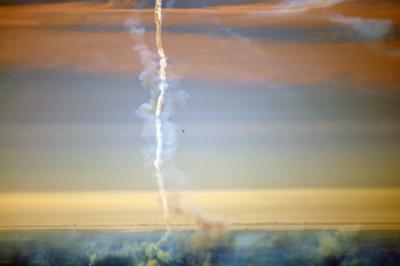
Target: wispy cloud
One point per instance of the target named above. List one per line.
(371, 30)
(269, 45)
(298, 6)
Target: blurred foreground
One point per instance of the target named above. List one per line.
(108, 247)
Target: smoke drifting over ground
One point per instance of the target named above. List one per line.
(53, 247)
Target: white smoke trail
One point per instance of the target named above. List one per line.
(155, 115)
(162, 87)
(205, 221)
(152, 113)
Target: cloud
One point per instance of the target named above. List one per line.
(394, 52)
(370, 30)
(297, 6)
(122, 3)
(249, 50)
(17, 22)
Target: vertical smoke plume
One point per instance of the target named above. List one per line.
(155, 114)
(162, 87)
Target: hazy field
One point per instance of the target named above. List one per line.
(102, 247)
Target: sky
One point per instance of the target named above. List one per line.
(281, 94)
(274, 209)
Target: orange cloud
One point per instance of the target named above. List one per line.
(51, 37)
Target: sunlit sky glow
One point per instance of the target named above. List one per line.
(276, 208)
(279, 96)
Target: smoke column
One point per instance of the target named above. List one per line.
(162, 87)
(155, 114)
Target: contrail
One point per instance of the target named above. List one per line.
(162, 87)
